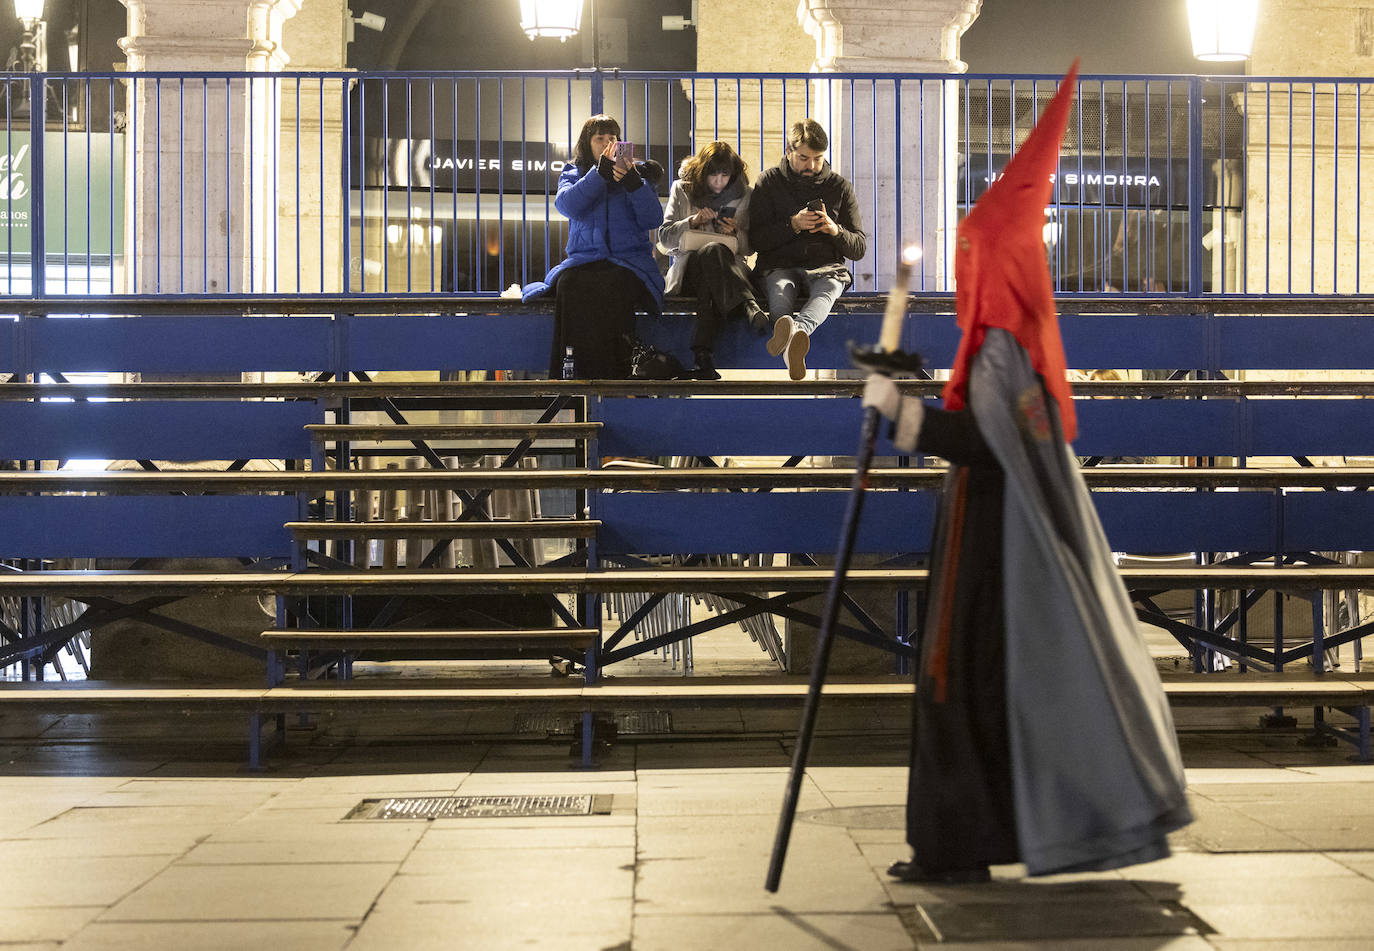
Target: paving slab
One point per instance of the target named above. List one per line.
(67, 881)
(45, 924)
(773, 928)
(212, 936)
(256, 893)
(593, 925)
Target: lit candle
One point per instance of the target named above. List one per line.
(891, 336)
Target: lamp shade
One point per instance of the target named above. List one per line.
(560, 18)
(28, 9)
(1222, 30)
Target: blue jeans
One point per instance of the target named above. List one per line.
(783, 285)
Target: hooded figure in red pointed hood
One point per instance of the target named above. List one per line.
(1041, 731)
(1001, 277)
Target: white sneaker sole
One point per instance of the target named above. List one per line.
(797, 348)
(782, 333)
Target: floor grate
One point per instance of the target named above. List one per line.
(468, 807)
(633, 723)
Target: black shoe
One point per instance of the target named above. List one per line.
(706, 367)
(916, 875)
(758, 318)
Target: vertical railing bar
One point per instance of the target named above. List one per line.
(9, 196)
(433, 224)
(921, 174)
(250, 226)
(899, 238)
(1169, 197)
(89, 237)
(205, 184)
(501, 184)
(1335, 186)
(548, 169)
(739, 118)
(410, 188)
(157, 183)
(1268, 177)
(1243, 264)
(1359, 179)
(873, 161)
(1312, 190)
(1126, 202)
(132, 153)
(453, 186)
(762, 136)
(228, 187)
(66, 194)
(386, 186)
(478, 246)
(181, 184)
(1148, 260)
(1195, 186)
(715, 107)
(362, 188)
(1290, 186)
(1078, 94)
(692, 129)
(1103, 250)
(345, 152)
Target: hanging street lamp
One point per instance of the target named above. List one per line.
(1222, 30)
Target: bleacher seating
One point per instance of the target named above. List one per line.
(1256, 528)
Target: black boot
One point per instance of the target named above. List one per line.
(904, 871)
(758, 318)
(706, 367)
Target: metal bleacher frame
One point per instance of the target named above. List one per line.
(1278, 518)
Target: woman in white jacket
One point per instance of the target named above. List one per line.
(705, 230)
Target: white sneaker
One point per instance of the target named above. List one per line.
(782, 333)
(795, 357)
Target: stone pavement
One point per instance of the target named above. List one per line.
(128, 832)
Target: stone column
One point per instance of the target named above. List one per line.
(752, 115)
(895, 36)
(200, 177)
(309, 174)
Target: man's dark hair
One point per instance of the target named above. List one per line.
(596, 125)
(808, 132)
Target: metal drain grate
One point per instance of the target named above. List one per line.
(633, 723)
(471, 807)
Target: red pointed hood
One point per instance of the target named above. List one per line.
(1001, 276)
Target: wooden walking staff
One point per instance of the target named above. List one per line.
(884, 358)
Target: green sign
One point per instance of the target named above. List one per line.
(83, 199)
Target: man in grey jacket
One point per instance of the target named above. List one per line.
(804, 223)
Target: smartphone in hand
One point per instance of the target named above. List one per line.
(625, 153)
(816, 204)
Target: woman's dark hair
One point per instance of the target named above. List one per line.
(714, 158)
(596, 125)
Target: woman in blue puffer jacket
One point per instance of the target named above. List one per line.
(609, 272)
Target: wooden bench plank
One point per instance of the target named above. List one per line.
(508, 390)
(540, 581)
(765, 477)
(320, 638)
(406, 431)
(1240, 690)
(539, 528)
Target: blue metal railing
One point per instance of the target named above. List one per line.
(425, 184)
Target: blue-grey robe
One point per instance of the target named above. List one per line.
(1097, 779)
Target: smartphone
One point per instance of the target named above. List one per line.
(816, 204)
(727, 212)
(625, 150)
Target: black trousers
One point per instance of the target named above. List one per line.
(594, 313)
(721, 284)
